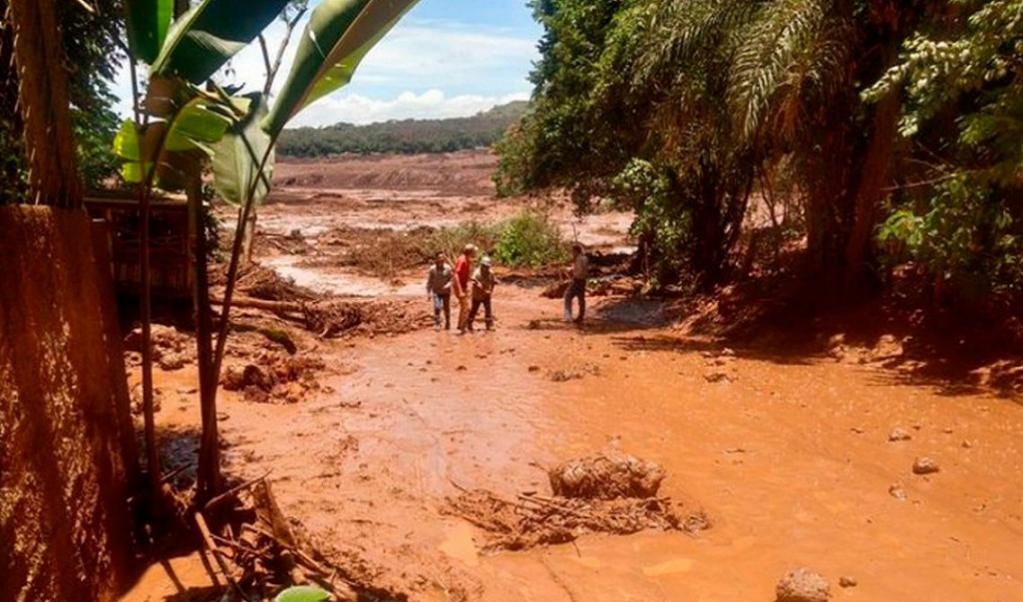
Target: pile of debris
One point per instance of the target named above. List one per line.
(172, 350)
(275, 378)
(258, 552)
(259, 282)
(609, 492)
(336, 318)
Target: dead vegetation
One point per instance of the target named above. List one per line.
(605, 493)
(257, 551)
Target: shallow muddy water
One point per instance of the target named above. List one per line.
(789, 456)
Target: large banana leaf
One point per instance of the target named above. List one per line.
(336, 39)
(238, 155)
(203, 39)
(175, 144)
(147, 22)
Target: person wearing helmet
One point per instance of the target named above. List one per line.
(460, 285)
(483, 283)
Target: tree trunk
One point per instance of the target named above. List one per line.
(209, 448)
(875, 176)
(43, 100)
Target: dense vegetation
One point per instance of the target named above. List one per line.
(406, 136)
(92, 43)
(878, 131)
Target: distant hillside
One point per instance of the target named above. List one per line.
(407, 137)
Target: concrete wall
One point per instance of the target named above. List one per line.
(66, 442)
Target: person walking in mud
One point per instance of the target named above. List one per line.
(483, 283)
(460, 285)
(438, 289)
(580, 273)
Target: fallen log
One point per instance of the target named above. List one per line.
(277, 307)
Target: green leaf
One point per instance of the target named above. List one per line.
(336, 39)
(302, 594)
(147, 22)
(236, 158)
(203, 39)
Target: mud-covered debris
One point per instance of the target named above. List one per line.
(567, 374)
(607, 476)
(925, 465)
(609, 492)
(847, 581)
(535, 520)
(340, 317)
(260, 551)
(260, 282)
(275, 378)
(172, 350)
(803, 585)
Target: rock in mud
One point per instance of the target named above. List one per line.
(846, 581)
(607, 476)
(925, 465)
(717, 377)
(803, 585)
(899, 434)
(897, 492)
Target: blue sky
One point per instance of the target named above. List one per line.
(446, 58)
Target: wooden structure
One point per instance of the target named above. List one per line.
(171, 244)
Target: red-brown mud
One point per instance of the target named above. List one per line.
(786, 450)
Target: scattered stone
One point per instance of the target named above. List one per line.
(717, 377)
(846, 581)
(803, 585)
(461, 368)
(534, 368)
(967, 444)
(897, 492)
(898, 434)
(854, 429)
(925, 465)
(726, 352)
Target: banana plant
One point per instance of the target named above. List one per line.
(187, 126)
(338, 36)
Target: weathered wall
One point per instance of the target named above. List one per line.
(66, 444)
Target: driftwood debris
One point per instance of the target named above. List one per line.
(605, 493)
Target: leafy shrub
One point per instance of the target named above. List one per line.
(452, 239)
(530, 239)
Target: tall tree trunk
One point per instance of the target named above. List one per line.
(44, 104)
(875, 176)
(209, 445)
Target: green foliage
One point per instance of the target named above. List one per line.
(147, 25)
(237, 158)
(336, 39)
(90, 41)
(407, 136)
(963, 83)
(530, 239)
(302, 593)
(203, 39)
(966, 234)
(452, 239)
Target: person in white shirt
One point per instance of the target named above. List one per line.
(580, 273)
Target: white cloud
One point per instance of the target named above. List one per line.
(422, 69)
(432, 104)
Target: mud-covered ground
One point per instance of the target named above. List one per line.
(796, 458)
